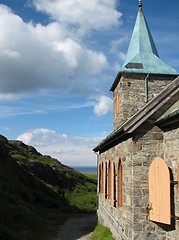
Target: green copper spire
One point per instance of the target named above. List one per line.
(142, 55)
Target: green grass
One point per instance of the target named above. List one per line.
(101, 233)
(91, 175)
(83, 196)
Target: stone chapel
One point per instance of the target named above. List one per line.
(138, 162)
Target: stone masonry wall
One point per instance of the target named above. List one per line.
(119, 220)
(150, 142)
(171, 156)
(131, 89)
(147, 145)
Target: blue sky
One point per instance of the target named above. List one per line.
(58, 61)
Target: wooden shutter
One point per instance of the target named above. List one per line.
(115, 186)
(119, 184)
(112, 183)
(106, 180)
(117, 103)
(159, 192)
(103, 178)
(109, 181)
(99, 177)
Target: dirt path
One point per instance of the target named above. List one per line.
(77, 227)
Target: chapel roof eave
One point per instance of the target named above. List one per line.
(168, 120)
(111, 138)
(155, 107)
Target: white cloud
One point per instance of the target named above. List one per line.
(103, 106)
(122, 56)
(41, 137)
(116, 44)
(41, 108)
(81, 15)
(117, 67)
(7, 129)
(11, 53)
(81, 58)
(10, 96)
(36, 57)
(69, 150)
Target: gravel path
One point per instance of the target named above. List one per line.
(77, 227)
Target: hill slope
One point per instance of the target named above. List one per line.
(34, 187)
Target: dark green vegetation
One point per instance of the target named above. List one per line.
(101, 233)
(36, 191)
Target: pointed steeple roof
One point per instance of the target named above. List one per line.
(142, 55)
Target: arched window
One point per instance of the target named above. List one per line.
(117, 104)
(119, 184)
(105, 179)
(99, 178)
(115, 186)
(102, 177)
(103, 172)
(111, 182)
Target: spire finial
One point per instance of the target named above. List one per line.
(140, 3)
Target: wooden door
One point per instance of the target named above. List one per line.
(159, 192)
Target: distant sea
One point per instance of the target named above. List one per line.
(85, 169)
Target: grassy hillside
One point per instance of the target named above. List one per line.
(35, 190)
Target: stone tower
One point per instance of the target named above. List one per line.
(143, 74)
